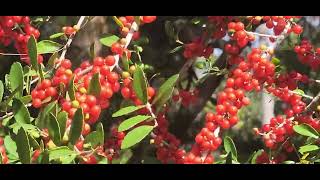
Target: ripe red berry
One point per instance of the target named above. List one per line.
(51, 91)
(95, 111)
(109, 60)
(91, 100)
(36, 103)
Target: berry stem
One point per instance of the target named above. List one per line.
(134, 27)
(263, 35)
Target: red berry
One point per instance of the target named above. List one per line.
(36, 103)
(110, 60)
(51, 91)
(95, 111)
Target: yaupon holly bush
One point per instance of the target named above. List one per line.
(120, 106)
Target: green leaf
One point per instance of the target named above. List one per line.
(230, 147)
(92, 139)
(10, 146)
(71, 89)
(135, 136)
(21, 113)
(26, 99)
(125, 156)
(127, 110)
(140, 84)
(229, 158)
(96, 137)
(16, 78)
(125, 62)
(62, 120)
(100, 130)
(53, 36)
(306, 130)
(32, 52)
(165, 91)
(50, 107)
(175, 49)
(131, 122)
(47, 46)
(117, 21)
(23, 146)
(275, 61)
(299, 91)
(1, 90)
(256, 154)
(95, 87)
(109, 40)
(76, 126)
(52, 59)
(308, 148)
(60, 153)
(45, 157)
(54, 129)
(33, 143)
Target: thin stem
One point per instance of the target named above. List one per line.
(71, 37)
(264, 35)
(134, 27)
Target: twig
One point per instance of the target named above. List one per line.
(313, 104)
(264, 35)
(134, 27)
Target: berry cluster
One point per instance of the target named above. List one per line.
(113, 144)
(238, 33)
(277, 23)
(221, 25)
(187, 98)
(127, 91)
(166, 143)
(308, 55)
(17, 29)
(197, 49)
(46, 91)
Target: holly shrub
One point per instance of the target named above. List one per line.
(180, 89)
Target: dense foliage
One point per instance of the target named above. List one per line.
(185, 90)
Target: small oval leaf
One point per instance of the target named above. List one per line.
(53, 36)
(308, 148)
(306, 130)
(76, 126)
(135, 136)
(126, 110)
(21, 113)
(16, 78)
(47, 46)
(230, 147)
(23, 146)
(10, 146)
(62, 120)
(32, 52)
(165, 91)
(131, 122)
(95, 87)
(71, 89)
(140, 84)
(54, 129)
(109, 40)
